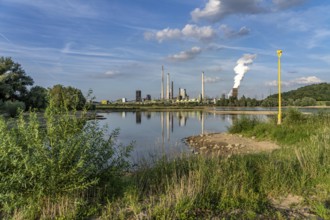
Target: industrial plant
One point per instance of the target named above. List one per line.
(167, 94)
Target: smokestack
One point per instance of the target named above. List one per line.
(162, 87)
(172, 90)
(203, 92)
(168, 87)
(235, 92)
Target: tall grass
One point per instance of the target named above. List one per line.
(236, 187)
(239, 187)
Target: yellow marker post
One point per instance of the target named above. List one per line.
(279, 117)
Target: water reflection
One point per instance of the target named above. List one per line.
(156, 133)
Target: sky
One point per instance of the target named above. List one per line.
(115, 47)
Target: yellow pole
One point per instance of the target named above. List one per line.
(279, 117)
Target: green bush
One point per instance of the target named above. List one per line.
(57, 156)
(292, 116)
(244, 124)
(12, 107)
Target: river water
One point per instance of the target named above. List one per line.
(158, 133)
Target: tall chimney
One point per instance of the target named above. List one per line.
(203, 92)
(162, 87)
(235, 92)
(168, 87)
(172, 90)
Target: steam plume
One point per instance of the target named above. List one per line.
(242, 67)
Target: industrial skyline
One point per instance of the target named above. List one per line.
(116, 47)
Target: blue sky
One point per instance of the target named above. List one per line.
(115, 47)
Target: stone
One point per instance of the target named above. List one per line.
(203, 148)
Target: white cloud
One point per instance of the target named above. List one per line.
(205, 33)
(202, 33)
(165, 34)
(212, 79)
(186, 55)
(306, 80)
(230, 33)
(215, 10)
(298, 81)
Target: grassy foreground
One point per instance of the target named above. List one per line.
(196, 187)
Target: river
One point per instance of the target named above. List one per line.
(158, 133)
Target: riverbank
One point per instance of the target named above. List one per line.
(225, 144)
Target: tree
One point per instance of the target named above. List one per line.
(37, 98)
(13, 80)
(69, 97)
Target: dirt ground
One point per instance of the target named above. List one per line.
(227, 144)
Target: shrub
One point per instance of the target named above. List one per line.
(293, 115)
(244, 124)
(12, 107)
(63, 156)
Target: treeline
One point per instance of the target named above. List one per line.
(319, 92)
(268, 102)
(17, 91)
(304, 96)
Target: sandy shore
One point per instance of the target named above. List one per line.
(226, 144)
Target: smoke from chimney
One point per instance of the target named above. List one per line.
(242, 67)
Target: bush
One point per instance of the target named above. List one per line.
(244, 124)
(12, 108)
(61, 157)
(293, 115)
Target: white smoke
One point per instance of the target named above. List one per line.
(242, 67)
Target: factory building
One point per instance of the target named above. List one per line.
(138, 96)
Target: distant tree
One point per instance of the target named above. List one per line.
(37, 98)
(13, 80)
(307, 101)
(242, 101)
(269, 102)
(69, 97)
(319, 92)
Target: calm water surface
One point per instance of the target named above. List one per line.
(156, 133)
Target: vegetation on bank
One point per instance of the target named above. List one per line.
(56, 166)
(16, 91)
(311, 95)
(62, 170)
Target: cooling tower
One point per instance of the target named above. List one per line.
(235, 93)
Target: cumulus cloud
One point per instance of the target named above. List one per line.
(284, 4)
(215, 10)
(211, 79)
(298, 81)
(205, 33)
(230, 33)
(186, 55)
(165, 34)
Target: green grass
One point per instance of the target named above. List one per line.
(237, 187)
